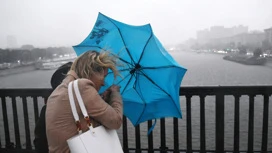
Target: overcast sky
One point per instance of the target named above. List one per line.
(45, 23)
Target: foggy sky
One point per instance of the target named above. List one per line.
(45, 23)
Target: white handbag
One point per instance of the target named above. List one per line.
(95, 140)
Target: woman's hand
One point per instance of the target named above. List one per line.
(115, 88)
(106, 94)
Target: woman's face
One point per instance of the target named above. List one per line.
(99, 79)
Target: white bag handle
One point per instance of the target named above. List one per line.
(72, 102)
(81, 104)
(79, 99)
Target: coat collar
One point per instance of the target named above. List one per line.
(71, 75)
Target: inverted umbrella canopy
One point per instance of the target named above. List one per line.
(151, 78)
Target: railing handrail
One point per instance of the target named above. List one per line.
(44, 92)
(227, 90)
(184, 90)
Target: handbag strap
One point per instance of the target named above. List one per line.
(81, 104)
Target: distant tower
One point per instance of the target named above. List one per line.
(11, 42)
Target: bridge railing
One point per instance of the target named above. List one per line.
(215, 119)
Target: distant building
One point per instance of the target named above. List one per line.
(205, 36)
(27, 47)
(268, 35)
(11, 42)
(251, 40)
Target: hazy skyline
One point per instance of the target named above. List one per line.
(45, 23)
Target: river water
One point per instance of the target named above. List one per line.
(203, 69)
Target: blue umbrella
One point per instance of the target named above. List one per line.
(151, 78)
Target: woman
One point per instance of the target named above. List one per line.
(90, 69)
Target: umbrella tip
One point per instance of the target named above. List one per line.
(99, 13)
(149, 25)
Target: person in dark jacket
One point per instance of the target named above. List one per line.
(40, 141)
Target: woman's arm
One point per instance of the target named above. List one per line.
(108, 114)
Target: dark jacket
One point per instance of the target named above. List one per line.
(40, 140)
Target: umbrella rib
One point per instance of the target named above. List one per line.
(155, 84)
(122, 59)
(140, 95)
(121, 70)
(169, 66)
(121, 38)
(125, 69)
(126, 84)
(124, 78)
(144, 48)
(143, 108)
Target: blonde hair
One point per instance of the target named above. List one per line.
(92, 63)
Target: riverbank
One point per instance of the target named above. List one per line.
(50, 64)
(245, 59)
(17, 70)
